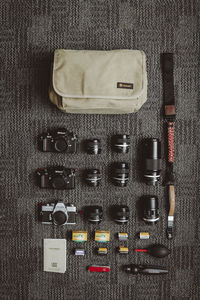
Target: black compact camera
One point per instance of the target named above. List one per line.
(59, 140)
(56, 178)
(58, 214)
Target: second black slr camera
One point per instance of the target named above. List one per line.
(56, 178)
(60, 140)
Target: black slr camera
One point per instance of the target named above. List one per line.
(59, 140)
(56, 178)
(58, 214)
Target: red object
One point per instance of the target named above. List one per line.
(140, 250)
(99, 268)
(171, 142)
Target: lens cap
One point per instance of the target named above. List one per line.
(58, 182)
(60, 145)
(59, 218)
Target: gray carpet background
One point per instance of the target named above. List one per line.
(30, 32)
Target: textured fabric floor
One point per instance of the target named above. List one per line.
(30, 32)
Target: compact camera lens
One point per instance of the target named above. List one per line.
(93, 177)
(93, 146)
(59, 218)
(60, 145)
(58, 182)
(94, 214)
(120, 213)
(152, 153)
(121, 143)
(120, 174)
(151, 211)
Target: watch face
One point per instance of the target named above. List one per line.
(60, 145)
(58, 182)
(59, 217)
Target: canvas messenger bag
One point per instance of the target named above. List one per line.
(99, 82)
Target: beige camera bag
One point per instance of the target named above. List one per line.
(99, 82)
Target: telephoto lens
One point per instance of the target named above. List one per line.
(93, 146)
(151, 211)
(120, 174)
(152, 167)
(121, 143)
(93, 213)
(93, 177)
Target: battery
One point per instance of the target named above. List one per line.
(102, 236)
(123, 250)
(102, 251)
(79, 252)
(122, 236)
(144, 235)
(79, 236)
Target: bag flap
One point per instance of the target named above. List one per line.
(116, 74)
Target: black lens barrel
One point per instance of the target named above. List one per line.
(153, 162)
(151, 210)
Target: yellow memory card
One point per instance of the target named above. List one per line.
(102, 236)
(79, 236)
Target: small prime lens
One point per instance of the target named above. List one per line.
(93, 177)
(93, 146)
(151, 211)
(121, 143)
(152, 167)
(120, 213)
(120, 174)
(93, 213)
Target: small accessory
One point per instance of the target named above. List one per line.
(93, 146)
(151, 211)
(159, 251)
(122, 236)
(144, 235)
(79, 236)
(93, 213)
(120, 174)
(120, 213)
(95, 268)
(60, 140)
(123, 250)
(102, 251)
(98, 82)
(79, 252)
(93, 177)
(146, 270)
(121, 143)
(152, 156)
(102, 236)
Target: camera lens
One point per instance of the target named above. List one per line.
(60, 145)
(93, 146)
(152, 154)
(120, 174)
(121, 143)
(59, 218)
(151, 211)
(94, 213)
(58, 182)
(120, 213)
(93, 177)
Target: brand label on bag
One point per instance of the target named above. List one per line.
(124, 85)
